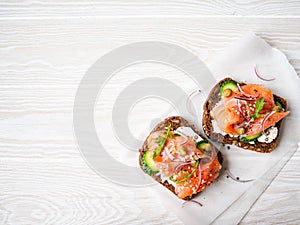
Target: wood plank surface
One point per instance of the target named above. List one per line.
(43, 178)
(77, 8)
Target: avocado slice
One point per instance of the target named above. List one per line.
(230, 86)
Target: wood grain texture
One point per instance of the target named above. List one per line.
(77, 8)
(43, 179)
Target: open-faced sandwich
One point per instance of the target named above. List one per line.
(246, 115)
(178, 157)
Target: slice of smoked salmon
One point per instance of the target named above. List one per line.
(232, 116)
(258, 125)
(232, 110)
(259, 91)
(186, 189)
(209, 173)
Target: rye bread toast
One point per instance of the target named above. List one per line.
(175, 122)
(213, 98)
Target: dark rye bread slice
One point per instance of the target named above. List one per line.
(175, 121)
(213, 98)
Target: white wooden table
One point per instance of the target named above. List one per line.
(45, 49)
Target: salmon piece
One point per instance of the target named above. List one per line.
(172, 146)
(186, 189)
(257, 126)
(260, 91)
(232, 113)
(170, 153)
(209, 173)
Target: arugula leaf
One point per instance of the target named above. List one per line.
(162, 143)
(278, 104)
(259, 104)
(174, 180)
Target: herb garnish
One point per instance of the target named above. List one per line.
(259, 104)
(185, 175)
(162, 143)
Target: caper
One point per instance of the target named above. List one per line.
(240, 130)
(194, 164)
(181, 151)
(276, 108)
(227, 92)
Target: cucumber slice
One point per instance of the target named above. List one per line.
(204, 147)
(201, 144)
(228, 85)
(251, 138)
(148, 164)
